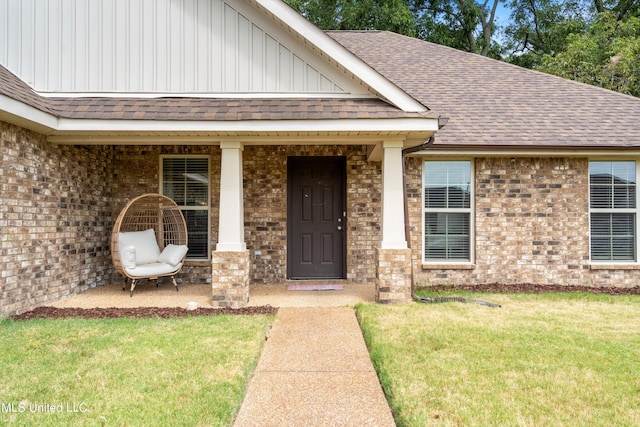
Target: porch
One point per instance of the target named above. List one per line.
(148, 295)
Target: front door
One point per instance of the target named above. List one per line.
(316, 218)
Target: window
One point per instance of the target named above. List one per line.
(447, 211)
(186, 181)
(612, 202)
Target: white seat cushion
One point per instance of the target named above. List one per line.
(155, 269)
(173, 254)
(145, 244)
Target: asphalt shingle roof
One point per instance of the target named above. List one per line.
(15, 88)
(492, 103)
(214, 109)
(227, 109)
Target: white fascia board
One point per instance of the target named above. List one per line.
(341, 55)
(344, 125)
(27, 116)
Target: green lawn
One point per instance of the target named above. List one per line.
(540, 360)
(127, 372)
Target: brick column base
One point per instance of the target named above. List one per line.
(393, 276)
(230, 276)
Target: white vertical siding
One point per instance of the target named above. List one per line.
(51, 47)
(203, 43)
(258, 62)
(271, 55)
(194, 46)
(13, 33)
(230, 46)
(244, 47)
(94, 29)
(41, 27)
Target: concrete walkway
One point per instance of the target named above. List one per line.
(315, 371)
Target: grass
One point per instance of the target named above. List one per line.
(127, 372)
(540, 360)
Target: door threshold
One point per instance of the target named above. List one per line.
(316, 281)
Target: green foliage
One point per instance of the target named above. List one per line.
(541, 27)
(448, 23)
(463, 24)
(391, 15)
(607, 54)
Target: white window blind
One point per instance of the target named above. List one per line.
(613, 216)
(186, 181)
(447, 211)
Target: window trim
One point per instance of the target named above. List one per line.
(636, 211)
(451, 263)
(207, 207)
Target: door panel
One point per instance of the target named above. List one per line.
(316, 244)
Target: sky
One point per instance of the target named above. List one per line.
(502, 14)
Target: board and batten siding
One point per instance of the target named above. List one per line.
(157, 46)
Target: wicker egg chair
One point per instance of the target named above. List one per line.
(149, 240)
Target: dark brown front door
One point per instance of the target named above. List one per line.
(316, 215)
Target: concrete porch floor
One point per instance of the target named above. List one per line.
(148, 295)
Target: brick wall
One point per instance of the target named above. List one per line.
(531, 226)
(265, 211)
(57, 208)
(55, 219)
(58, 204)
(364, 208)
(136, 171)
(265, 186)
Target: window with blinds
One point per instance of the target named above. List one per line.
(186, 181)
(612, 202)
(447, 211)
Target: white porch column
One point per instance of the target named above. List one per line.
(392, 197)
(231, 217)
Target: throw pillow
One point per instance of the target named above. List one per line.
(173, 254)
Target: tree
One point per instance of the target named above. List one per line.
(463, 24)
(391, 15)
(542, 27)
(622, 9)
(322, 13)
(607, 54)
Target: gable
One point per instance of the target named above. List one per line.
(160, 46)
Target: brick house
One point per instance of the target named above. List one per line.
(285, 147)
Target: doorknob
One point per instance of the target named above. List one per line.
(339, 228)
